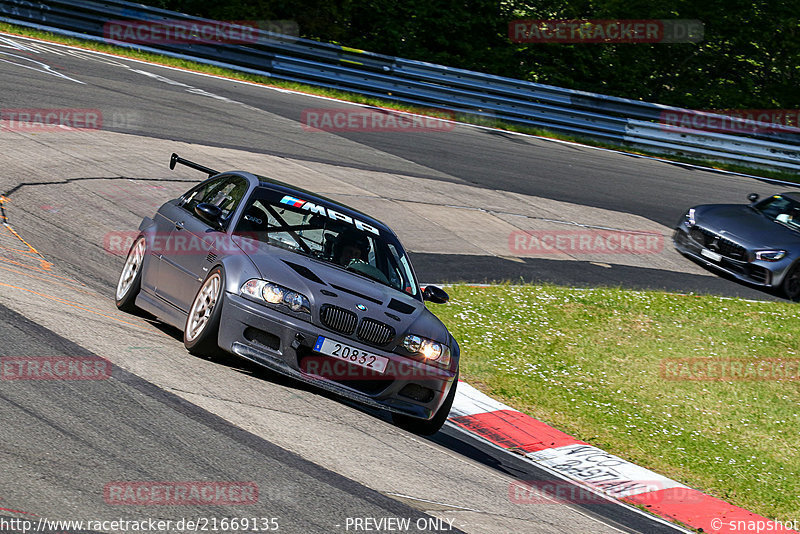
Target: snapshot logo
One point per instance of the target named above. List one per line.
(732, 121)
(565, 31)
(50, 119)
(729, 369)
(181, 243)
(181, 31)
(180, 493)
(647, 492)
(585, 241)
(54, 368)
(754, 526)
(372, 120)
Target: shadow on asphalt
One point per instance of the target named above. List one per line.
(455, 268)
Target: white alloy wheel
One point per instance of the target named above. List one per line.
(203, 307)
(133, 266)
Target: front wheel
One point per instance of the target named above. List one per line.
(432, 425)
(202, 324)
(130, 279)
(791, 283)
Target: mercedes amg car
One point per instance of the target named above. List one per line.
(757, 243)
(299, 284)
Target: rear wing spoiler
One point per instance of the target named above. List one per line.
(177, 159)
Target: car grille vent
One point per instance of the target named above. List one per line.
(338, 319)
(401, 307)
(375, 332)
(719, 244)
(759, 274)
(211, 258)
(305, 272)
(356, 293)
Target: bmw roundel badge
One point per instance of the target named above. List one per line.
(361, 307)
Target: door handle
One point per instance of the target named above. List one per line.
(179, 225)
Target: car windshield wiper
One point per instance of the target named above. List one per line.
(368, 276)
(787, 225)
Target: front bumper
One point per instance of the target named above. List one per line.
(284, 343)
(759, 273)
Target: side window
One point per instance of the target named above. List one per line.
(226, 192)
(196, 195)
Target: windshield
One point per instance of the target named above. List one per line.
(326, 234)
(782, 210)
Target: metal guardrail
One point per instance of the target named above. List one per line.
(567, 111)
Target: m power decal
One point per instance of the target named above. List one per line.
(333, 214)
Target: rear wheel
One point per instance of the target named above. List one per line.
(432, 425)
(791, 283)
(202, 324)
(130, 279)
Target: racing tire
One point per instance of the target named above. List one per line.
(201, 331)
(130, 279)
(432, 425)
(791, 283)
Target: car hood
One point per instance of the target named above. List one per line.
(324, 283)
(746, 226)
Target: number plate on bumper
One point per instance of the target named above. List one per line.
(711, 255)
(351, 354)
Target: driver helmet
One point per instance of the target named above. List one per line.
(350, 245)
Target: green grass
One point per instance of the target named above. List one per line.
(588, 362)
(390, 104)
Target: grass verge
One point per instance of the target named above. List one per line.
(597, 364)
(389, 104)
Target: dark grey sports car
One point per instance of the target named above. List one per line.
(297, 283)
(758, 243)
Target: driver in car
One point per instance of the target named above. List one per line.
(351, 245)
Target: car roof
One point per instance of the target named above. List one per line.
(792, 195)
(283, 187)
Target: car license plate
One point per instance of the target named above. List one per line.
(710, 254)
(351, 354)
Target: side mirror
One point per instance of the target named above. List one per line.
(210, 213)
(434, 294)
(752, 197)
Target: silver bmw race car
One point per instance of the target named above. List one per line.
(757, 243)
(297, 283)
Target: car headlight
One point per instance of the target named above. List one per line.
(432, 351)
(688, 219)
(770, 255)
(275, 294)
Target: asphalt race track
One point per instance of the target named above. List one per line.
(454, 197)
